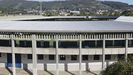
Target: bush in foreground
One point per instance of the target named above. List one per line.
(119, 68)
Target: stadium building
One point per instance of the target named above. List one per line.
(63, 45)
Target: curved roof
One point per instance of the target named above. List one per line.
(39, 17)
(125, 18)
(65, 26)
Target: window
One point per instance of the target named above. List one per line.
(29, 56)
(23, 43)
(88, 44)
(92, 44)
(99, 43)
(51, 57)
(109, 43)
(68, 44)
(73, 57)
(130, 43)
(43, 44)
(119, 43)
(120, 56)
(85, 57)
(5, 43)
(0, 54)
(62, 57)
(96, 57)
(40, 57)
(107, 57)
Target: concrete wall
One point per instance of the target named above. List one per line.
(3, 60)
(68, 51)
(68, 64)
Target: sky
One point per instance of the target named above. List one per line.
(125, 1)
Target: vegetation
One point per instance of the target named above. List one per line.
(116, 5)
(120, 68)
(127, 13)
(86, 7)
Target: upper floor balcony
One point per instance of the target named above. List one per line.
(90, 47)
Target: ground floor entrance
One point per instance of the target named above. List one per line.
(17, 60)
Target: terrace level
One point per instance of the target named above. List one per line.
(65, 44)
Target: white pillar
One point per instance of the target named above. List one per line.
(126, 48)
(34, 55)
(80, 55)
(103, 53)
(57, 57)
(13, 56)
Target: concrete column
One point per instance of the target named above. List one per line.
(34, 55)
(57, 57)
(103, 53)
(80, 55)
(126, 48)
(13, 56)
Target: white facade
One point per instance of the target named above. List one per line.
(68, 64)
(73, 50)
(78, 64)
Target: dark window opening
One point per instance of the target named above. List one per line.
(92, 44)
(115, 43)
(5, 43)
(99, 44)
(0, 54)
(62, 57)
(46, 44)
(68, 44)
(96, 57)
(73, 57)
(109, 43)
(29, 56)
(40, 57)
(85, 57)
(120, 57)
(119, 43)
(107, 57)
(51, 57)
(20, 43)
(130, 43)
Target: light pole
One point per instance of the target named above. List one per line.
(41, 10)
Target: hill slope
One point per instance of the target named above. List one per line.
(11, 5)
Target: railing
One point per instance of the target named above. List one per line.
(73, 36)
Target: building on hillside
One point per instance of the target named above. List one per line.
(64, 45)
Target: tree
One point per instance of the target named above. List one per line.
(120, 68)
(127, 13)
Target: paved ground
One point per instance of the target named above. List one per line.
(21, 72)
(40, 72)
(86, 73)
(4, 71)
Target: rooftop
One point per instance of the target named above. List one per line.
(125, 18)
(46, 18)
(66, 26)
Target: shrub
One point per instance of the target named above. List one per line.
(119, 68)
